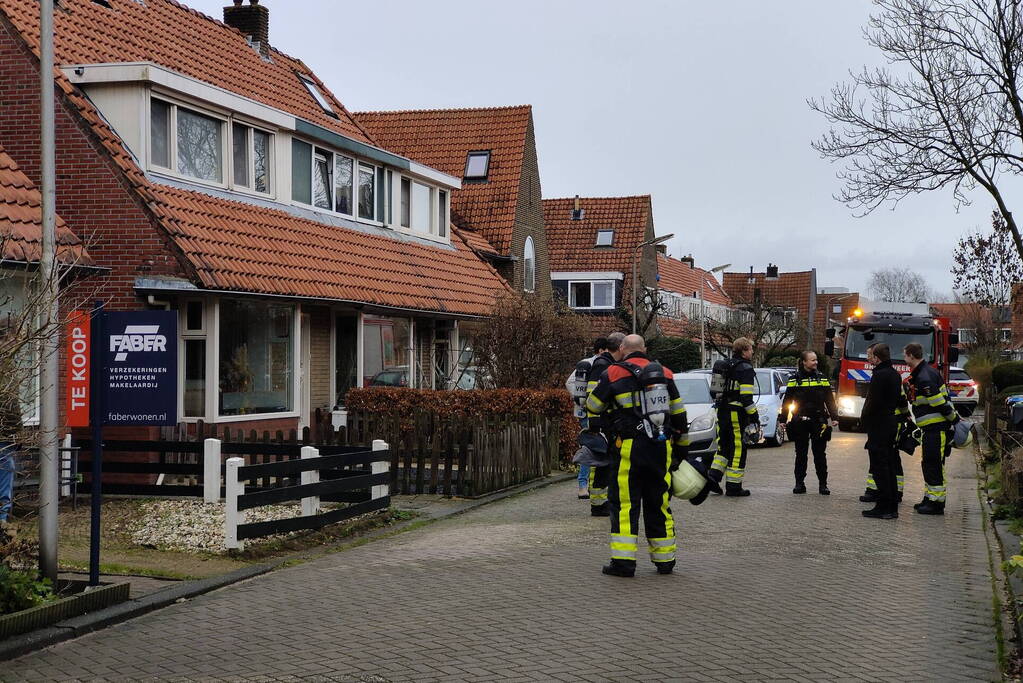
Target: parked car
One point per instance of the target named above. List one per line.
(390, 377)
(769, 394)
(964, 390)
(695, 393)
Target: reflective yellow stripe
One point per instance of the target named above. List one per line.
(929, 419)
(751, 408)
(669, 522)
(737, 444)
(594, 404)
(625, 507)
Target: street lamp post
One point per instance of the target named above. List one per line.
(703, 314)
(635, 255)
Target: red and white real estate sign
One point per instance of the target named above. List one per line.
(79, 350)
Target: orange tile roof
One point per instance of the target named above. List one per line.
(21, 231)
(791, 290)
(237, 246)
(571, 245)
(243, 247)
(681, 278)
(442, 139)
(183, 40)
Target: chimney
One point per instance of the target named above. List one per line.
(253, 20)
(578, 213)
(688, 260)
(772, 272)
(662, 249)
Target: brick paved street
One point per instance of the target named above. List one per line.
(772, 587)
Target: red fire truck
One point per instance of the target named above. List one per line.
(895, 329)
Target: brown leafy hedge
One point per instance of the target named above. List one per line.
(555, 404)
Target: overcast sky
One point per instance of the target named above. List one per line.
(700, 104)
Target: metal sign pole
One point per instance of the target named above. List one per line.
(97, 378)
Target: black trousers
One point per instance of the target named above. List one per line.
(640, 484)
(883, 456)
(806, 434)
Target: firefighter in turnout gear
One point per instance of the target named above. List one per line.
(648, 424)
(737, 414)
(600, 476)
(812, 414)
(883, 418)
(905, 422)
(936, 418)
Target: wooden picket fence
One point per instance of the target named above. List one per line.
(463, 456)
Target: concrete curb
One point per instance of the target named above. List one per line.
(115, 614)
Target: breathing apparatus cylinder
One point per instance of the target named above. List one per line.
(579, 387)
(654, 401)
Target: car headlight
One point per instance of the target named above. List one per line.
(702, 423)
(764, 419)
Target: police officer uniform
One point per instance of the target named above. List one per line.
(811, 408)
(935, 416)
(599, 476)
(736, 410)
(640, 466)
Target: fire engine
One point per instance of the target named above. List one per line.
(895, 329)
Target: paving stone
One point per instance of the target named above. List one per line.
(770, 587)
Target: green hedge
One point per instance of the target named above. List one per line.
(1007, 374)
(676, 353)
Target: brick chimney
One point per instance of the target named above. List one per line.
(253, 20)
(688, 260)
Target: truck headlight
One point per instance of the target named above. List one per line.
(702, 423)
(846, 404)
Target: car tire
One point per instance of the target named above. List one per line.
(846, 425)
(780, 435)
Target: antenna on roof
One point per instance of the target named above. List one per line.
(578, 212)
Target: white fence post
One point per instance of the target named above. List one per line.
(211, 470)
(381, 490)
(65, 467)
(310, 504)
(233, 516)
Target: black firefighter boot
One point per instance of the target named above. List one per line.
(882, 511)
(665, 567)
(931, 507)
(602, 510)
(735, 490)
(822, 488)
(869, 496)
(717, 476)
(800, 487)
(620, 568)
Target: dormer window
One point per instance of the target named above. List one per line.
(477, 165)
(251, 158)
(186, 142)
(317, 94)
(323, 184)
(605, 238)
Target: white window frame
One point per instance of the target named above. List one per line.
(972, 334)
(329, 159)
(591, 307)
(209, 324)
(271, 162)
(226, 172)
(355, 183)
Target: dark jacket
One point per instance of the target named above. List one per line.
(616, 392)
(740, 389)
(809, 394)
(598, 367)
(932, 406)
(884, 405)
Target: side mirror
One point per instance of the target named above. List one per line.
(953, 355)
(830, 333)
(953, 339)
(829, 347)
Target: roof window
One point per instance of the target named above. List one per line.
(605, 238)
(477, 165)
(317, 94)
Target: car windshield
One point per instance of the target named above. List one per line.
(765, 382)
(856, 344)
(693, 390)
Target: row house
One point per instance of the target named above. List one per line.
(789, 298)
(219, 177)
(975, 323)
(689, 294)
(594, 244)
(835, 305)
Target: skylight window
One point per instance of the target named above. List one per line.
(317, 94)
(605, 238)
(477, 165)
